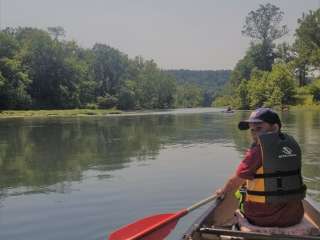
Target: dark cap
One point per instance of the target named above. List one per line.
(260, 115)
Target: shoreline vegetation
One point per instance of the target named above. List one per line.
(58, 113)
(39, 69)
(105, 112)
(275, 74)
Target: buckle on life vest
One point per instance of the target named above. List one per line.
(279, 183)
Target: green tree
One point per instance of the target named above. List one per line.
(54, 67)
(8, 45)
(13, 85)
(257, 56)
(284, 53)
(264, 24)
(243, 94)
(315, 90)
(282, 85)
(14, 81)
(268, 89)
(189, 95)
(308, 32)
(257, 89)
(57, 32)
(127, 96)
(37, 70)
(307, 45)
(109, 68)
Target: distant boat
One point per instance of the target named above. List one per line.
(228, 110)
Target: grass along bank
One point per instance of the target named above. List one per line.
(57, 113)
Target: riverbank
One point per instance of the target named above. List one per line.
(306, 107)
(104, 112)
(58, 113)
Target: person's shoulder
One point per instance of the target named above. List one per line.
(254, 148)
(288, 137)
(253, 151)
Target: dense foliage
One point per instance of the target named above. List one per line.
(198, 88)
(276, 75)
(40, 70)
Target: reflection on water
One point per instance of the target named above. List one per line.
(60, 174)
(36, 153)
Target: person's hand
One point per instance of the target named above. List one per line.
(220, 192)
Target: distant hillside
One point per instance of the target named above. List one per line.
(208, 82)
(208, 79)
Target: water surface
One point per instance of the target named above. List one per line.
(80, 178)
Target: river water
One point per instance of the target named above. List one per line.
(81, 178)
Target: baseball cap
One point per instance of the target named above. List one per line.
(260, 115)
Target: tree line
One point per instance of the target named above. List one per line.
(40, 70)
(273, 74)
(198, 87)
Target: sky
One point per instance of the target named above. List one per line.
(176, 34)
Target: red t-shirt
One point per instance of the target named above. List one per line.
(266, 214)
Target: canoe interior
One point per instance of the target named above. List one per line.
(221, 215)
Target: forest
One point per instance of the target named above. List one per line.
(41, 70)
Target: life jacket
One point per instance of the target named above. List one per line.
(279, 178)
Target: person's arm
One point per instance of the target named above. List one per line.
(245, 170)
(231, 185)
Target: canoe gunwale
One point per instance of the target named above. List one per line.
(200, 221)
(254, 235)
(200, 228)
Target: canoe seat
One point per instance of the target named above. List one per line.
(304, 228)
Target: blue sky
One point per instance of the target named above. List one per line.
(188, 34)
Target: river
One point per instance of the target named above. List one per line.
(82, 177)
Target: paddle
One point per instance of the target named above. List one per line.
(155, 227)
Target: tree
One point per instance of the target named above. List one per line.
(281, 85)
(13, 85)
(127, 96)
(315, 90)
(284, 53)
(264, 25)
(257, 56)
(14, 81)
(8, 45)
(38, 71)
(189, 95)
(243, 94)
(57, 32)
(109, 68)
(268, 89)
(54, 67)
(258, 92)
(307, 45)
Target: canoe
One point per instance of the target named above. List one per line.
(218, 222)
(226, 111)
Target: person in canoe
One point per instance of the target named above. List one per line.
(228, 110)
(270, 172)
